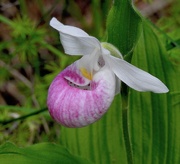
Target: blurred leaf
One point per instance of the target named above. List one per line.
(170, 22)
(97, 18)
(6, 20)
(174, 57)
(43, 153)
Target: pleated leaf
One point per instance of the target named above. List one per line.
(154, 118)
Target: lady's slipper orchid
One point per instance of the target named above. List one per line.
(83, 92)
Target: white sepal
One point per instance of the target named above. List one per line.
(135, 77)
(74, 40)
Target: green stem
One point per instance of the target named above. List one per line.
(126, 128)
(23, 117)
(126, 137)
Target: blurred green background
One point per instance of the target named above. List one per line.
(31, 56)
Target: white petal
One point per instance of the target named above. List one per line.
(135, 77)
(74, 40)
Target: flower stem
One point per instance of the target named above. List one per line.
(126, 129)
(126, 137)
(24, 116)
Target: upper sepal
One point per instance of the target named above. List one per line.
(74, 40)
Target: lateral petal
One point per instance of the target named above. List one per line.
(74, 40)
(135, 77)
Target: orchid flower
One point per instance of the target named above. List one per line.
(82, 93)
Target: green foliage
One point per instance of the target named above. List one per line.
(26, 39)
(25, 67)
(138, 128)
(154, 117)
(44, 153)
(123, 26)
(170, 23)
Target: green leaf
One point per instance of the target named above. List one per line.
(44, 153)
(154, 118)
(123, 26)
